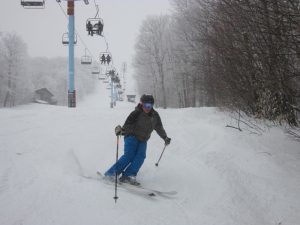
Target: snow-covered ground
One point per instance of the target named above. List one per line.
(222, 176)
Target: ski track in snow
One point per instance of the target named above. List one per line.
(49, 156)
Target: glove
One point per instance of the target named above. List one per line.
(167, 141)
(119, 130)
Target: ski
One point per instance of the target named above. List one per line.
(148, 191)
(126, 187)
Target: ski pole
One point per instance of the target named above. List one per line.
(116, 175)
(156, 164)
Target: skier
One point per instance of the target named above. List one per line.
(99, 27)
(137, 130)
(103, 59)
(108, 59)
(89, 28)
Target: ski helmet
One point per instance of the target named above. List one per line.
(147, 99)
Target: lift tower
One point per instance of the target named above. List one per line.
(71, 90)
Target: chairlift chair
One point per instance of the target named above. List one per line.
(131, 98)
(86, 60)
(85, 1)
(111, 71)
(101, 77)
(105, 58)
(65, 39)
(96, 70)
(109, 68)
(92, 26)
(33, 4)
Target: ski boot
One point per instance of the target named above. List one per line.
(129, 180)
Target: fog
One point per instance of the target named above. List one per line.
(42, 29)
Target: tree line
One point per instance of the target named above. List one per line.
(21, 75)
(239, 54)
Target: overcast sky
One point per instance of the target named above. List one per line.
(42, 30)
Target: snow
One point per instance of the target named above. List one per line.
(222, 176)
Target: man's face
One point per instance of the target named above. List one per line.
(147, 107)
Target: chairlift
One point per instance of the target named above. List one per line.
(86, 59)
(111, 71)
(131, 98)
(101, 77)
(65, 39)
(33, 4)
(94, 26)
(105, 58)
(116, 79)
(85, 1)
(96, 70)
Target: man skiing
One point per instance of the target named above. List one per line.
(137, 130)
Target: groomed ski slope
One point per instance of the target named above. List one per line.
(222, 176)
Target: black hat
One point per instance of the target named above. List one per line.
(147, 99)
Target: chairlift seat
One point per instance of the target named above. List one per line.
(86, 60)
(94, 22)
(104, 56)
(96, 70)
(39, 4)
(65, 39)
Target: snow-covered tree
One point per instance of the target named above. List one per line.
(21, 75)
(240, 54)
(13, 67)
(151, 58)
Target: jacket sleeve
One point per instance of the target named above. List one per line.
(130, 122)
(159, 128)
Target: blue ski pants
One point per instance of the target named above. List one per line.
(133, 158)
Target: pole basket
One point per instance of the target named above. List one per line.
(72, 99)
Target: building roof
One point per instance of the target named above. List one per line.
(43, 91)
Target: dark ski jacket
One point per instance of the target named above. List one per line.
(141, 124)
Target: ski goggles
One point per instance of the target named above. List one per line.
(147, 106)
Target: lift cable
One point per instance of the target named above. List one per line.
(77, 33)
(107, 47)
(97, 9)
(105, 40)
